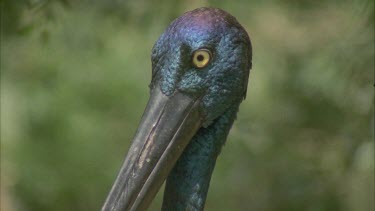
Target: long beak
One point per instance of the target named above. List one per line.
(167, 126)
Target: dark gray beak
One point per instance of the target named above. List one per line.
(167, 126)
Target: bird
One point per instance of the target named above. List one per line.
(200, 72)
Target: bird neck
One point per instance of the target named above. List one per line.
(187, 185)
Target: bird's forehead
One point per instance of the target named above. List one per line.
(201, 26)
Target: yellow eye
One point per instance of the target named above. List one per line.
(201, 58)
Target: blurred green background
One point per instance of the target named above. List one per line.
(74, 78)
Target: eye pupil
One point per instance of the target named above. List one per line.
(200, 57)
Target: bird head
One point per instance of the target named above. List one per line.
(200, 67)
(206, 54)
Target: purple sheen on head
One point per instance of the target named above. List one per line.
(202, 24)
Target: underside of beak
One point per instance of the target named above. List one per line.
(167, 126)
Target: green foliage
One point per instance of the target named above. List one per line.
(74, 78)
